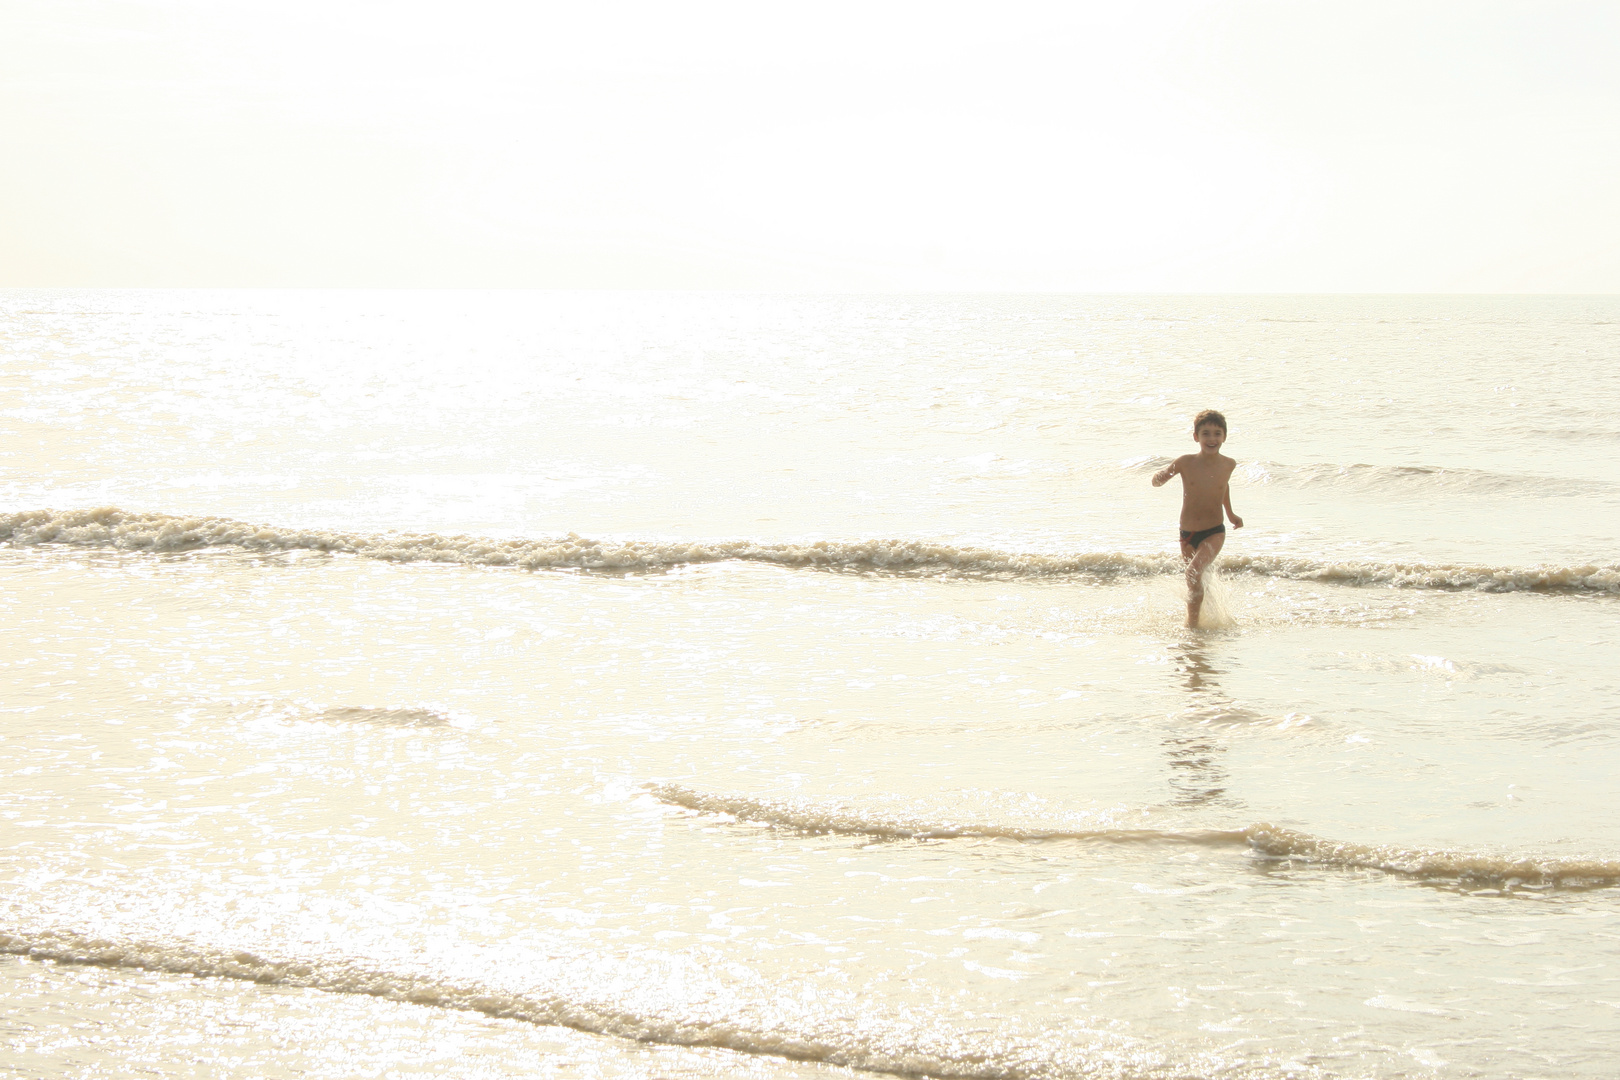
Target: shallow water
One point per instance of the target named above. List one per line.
(664, 685)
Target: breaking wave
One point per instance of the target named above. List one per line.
(1411, 479)
(838, 818)
(397, 717)
(647, 999)
(1482, 869)
(109, 527)
(129, 531)
(1586, 577)
(1417, 479)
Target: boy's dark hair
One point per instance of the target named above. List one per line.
(1209, 416)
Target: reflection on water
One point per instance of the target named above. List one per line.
(357, 765)
(1197, 777)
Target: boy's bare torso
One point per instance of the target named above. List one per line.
(1204, 485)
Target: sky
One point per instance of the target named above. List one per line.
(1177, 146)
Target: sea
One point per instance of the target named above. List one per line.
(665, 685)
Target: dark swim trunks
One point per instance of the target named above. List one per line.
(1193, 539)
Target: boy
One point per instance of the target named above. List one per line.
(1204, 494)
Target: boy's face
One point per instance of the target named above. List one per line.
(1210, 436)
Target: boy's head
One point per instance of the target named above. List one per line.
(1209, 422)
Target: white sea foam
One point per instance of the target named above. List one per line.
(129, 531)
(1414, 479)
(647, 999)
(1485, 869)
(109, 527)
(809, 816)
(403, 716)
(1590, 577)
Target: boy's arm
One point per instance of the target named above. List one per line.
(1164, 474)
(1237, 522)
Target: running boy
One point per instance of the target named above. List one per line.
(1205, 492)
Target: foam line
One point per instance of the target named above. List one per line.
(1417, 479)
(837, 818)
(109, 527)
(1270, 841)
(1436, 864)
(1585, 577)
(590, 995)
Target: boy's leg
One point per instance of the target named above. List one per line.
(1197, 562)
(1187, 554)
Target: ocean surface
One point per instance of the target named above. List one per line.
(701, 685)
